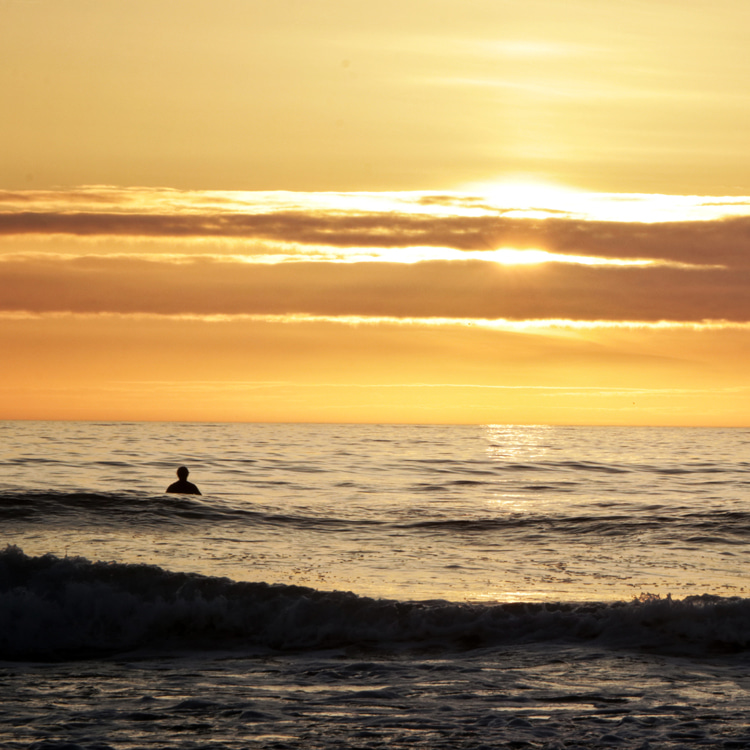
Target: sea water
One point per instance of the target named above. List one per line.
(373, 586)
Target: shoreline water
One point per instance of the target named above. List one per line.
(373, 586)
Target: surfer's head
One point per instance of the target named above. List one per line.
(182, 473)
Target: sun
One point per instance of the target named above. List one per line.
(531, 196)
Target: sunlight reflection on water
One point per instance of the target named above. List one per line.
(462, 513)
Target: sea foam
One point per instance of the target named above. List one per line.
(62, 608)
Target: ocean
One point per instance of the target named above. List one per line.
(373, 586)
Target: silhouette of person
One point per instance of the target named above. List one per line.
(182, 485)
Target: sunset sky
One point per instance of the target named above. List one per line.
(471, 211)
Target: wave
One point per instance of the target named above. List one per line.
(113, 506)
(664, 524)
(676, 527)
(572, 467)
(66, 608)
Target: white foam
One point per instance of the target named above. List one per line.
(58, 608)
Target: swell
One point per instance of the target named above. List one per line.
(667, 524)
(671, 525)
(572, 467)
(68, 608)
(139, 509)
(50, 506)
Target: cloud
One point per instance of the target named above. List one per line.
(724, 241)
(446, 289)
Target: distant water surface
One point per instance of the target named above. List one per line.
(487, 513)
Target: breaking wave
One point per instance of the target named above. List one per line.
(67, 608)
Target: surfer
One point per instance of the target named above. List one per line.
(182, 485)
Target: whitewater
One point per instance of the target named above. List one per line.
(373, 585)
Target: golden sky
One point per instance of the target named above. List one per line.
(486, 211)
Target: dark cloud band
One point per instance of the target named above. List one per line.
(455, 289)
(724, 242)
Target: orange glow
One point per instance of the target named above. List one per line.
(292, 308)
(245, 370)
(522, 212)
